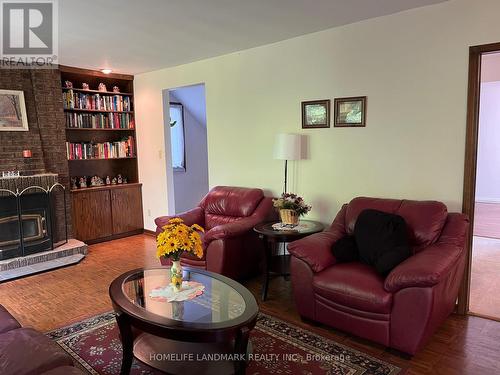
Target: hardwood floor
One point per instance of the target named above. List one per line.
(485, 271)
(463, 345)
(487, 220)
(485, 277)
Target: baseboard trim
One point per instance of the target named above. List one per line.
(483, 316)
(149, 232)
(487, 200)
(114, 237)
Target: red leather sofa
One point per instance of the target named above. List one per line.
(228, 215)
(400, 311)
(24, 351)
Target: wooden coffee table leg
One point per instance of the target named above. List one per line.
(240, 347)
(127, 343)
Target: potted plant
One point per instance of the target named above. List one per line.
(291, 207)
(175, 239)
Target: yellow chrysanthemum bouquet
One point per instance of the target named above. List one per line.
(175, 239)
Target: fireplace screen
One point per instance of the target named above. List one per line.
(27, 223)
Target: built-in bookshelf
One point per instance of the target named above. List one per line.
(101, 141)
(100, 124)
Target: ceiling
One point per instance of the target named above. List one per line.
(131, 36)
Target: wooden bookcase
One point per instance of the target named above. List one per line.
(111, 211)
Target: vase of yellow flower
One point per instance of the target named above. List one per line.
(175, 239)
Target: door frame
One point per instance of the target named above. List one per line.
(470, 163)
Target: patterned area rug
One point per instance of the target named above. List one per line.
(278, 348)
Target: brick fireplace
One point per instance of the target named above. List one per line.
(46, 136)
(29, 222)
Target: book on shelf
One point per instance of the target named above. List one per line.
(105, 150)
(97, 102)
(100, 120)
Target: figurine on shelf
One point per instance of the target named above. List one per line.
(125, 180)
(96, 181)
(85, 86)
(68, 84)
(119, 179)
(108, 180)
(102, 87)
(116, 89)
(113, 181)
(83, 182)
(73, 183)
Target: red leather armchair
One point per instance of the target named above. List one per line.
(400, 311)
(228, 215)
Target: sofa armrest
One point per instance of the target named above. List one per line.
(194, 216)
(431, 265)
(316, 249)
(239, 227)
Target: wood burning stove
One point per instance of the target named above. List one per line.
(34, 229)
(26, 222)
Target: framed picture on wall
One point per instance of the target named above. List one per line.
(350, 112)
(12, 111)
(316, 114)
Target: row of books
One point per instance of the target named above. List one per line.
(106, 150)
(100, 120)
(77, 100)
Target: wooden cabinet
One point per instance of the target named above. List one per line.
(107, 212)
(126, 206)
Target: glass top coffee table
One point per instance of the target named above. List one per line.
(177, 337)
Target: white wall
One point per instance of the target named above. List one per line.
(488, 153)
(411, 65)
(192, 184)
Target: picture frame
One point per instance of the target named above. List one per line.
(350, 112)
(13, 111)
(316, 114)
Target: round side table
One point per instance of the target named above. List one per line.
(279, 264)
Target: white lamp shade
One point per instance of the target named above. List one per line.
(287, 147)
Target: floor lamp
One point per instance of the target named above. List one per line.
(287, 147)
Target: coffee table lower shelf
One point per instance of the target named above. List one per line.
(181, 357)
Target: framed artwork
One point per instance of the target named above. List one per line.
(350, 112)
(12, 111)
(316, 114)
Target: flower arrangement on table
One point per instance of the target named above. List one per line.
(291, 207)
(175, 239)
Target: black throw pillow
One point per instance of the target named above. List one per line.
(381, 239)
(345, 250)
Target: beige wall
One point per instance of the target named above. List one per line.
(411, 65)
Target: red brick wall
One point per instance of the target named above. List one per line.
(12, 144)
(46, 136)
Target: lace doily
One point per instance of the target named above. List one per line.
(189, 290)
(290, 227)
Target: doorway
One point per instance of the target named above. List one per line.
(485, 262)
(481, 200)
(187, 132)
